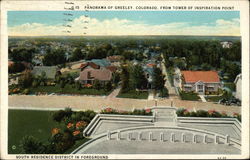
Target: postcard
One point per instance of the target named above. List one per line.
(124, 79)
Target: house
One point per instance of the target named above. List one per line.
(201, 82)
(101, 62)
(50, 71)
(238, 82)
(91, 71)
(88, 75)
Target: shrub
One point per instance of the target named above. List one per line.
(26, 91)
(30, 145)
(202, 113)
(58, 115)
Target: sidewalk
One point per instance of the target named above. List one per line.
(202, 98)
(114, 93)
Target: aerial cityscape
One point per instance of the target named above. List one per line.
(77, 94)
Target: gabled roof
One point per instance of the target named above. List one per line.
(101, 62)
(91, 64)
(204, 76)
(112, 68)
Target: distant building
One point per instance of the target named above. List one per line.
(226, 44)
(115, 58)
(201, 82)
(238, 82)
(50, 71)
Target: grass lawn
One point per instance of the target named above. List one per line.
(214, 98)
(33, 123)
(189, 96)
(134, 94)
(68, 89)
(27, 122)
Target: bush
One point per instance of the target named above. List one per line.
(61, 114)
(58, 115)
(26, 91)
(30, 145)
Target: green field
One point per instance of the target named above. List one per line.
(134, 94)
(28, 122)
(68, 89)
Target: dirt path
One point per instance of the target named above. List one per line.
(97, 103)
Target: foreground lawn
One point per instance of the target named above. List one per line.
(214, 98)
(134, 94)
(68, 89)
(27, 122)
(189, 96)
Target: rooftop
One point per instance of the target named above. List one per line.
(204, 76)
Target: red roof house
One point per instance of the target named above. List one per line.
(201, 82)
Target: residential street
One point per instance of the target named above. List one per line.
(97, 103)
(171, 89)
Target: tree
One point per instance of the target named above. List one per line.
(158, 79)
(138, 79)
(164, 92)
(125, 79)
(77, 55)
(108, 86)
(96, 84)
(22, 54)
(26, 79)
(54, 57)
(116, 78)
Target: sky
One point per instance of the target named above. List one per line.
(49, 23)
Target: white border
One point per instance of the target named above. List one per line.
(241, 5)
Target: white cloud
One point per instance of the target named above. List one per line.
(127, 27)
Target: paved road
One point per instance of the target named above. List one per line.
(97, 103)
(171, 89)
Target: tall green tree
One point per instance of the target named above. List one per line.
(124, 79)
(138, 79)
(54, 57)
(158, 79)
(77, 55)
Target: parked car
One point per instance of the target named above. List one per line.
(231, 101)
